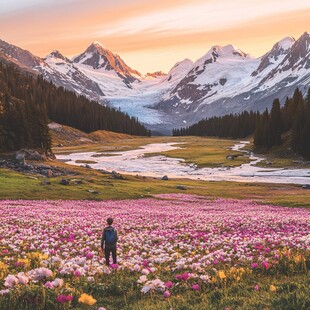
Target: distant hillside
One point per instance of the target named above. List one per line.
(291, 122)
(26, 101)
(67, 136)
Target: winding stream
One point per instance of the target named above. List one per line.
(134, 162)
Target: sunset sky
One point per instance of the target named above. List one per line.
(151, 35)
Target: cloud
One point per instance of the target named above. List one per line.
(146, 27)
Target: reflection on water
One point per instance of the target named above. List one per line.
(134, 162)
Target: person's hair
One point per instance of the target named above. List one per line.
(110, 221)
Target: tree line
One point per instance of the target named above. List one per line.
(27, 103)
(267, 127)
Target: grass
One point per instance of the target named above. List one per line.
(21, 186)
(201, 151)
(120, 291)
(206, 152)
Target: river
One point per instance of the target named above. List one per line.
(135, 163)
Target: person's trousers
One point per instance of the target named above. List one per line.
(107, 252)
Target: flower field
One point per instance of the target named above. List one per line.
(174, 252)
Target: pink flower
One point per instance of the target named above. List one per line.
(168, 284)
(183, 276)
(89, 255)
(254, 265)
(49, 284)
(77, 273)
(114, 266)
(167, 294)
(195, 287)
(256, 288)
(265, 265)
(10, 281)
(64, 298)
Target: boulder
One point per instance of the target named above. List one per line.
(181, 187)
(29, 155)
(165, 178)
(117, 176)
(306, 186)
(64, 182)
(93, 191)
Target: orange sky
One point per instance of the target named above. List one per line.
(151, 35)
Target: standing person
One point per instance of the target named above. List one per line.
(108, 242)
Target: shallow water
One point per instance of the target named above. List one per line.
(133, 162)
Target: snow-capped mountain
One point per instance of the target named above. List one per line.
(106, 68)
(224, 80)
(219, 71)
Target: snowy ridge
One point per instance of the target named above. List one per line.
(224, 80)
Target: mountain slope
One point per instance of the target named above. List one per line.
(224, 80)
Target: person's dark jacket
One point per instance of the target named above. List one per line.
(103, 238)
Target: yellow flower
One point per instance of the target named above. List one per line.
(298, 259)
(222, 274)
(87, 299)
(272, 288)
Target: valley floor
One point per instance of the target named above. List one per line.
(84, 183)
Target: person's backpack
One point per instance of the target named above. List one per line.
(110, 237)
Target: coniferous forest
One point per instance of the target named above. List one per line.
(267, 127)
(27, 103)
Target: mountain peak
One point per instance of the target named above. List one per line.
(286, 43)
(155, 74)
(275, 55)
(57, 55)
(96, 43)
(99, 58)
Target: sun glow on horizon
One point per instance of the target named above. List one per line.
(151, 36)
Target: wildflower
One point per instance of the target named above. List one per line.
(102, 308)
(4, 292)
(167, 294)
(89, 255)
(256, 288)
(145, 271)
(64, 298)
(10, 281)
(195, 287)
(22, 279)
(58, 282)
(221, 274)
(272, 288)
(87, 299)
(265, 265)
(40, 273)
(77, 273)
(142, 279)
(136, 268)
(114, 266)
(254, 265)
(183, 276)
(205, 278)
(168, 284)
(49, 284)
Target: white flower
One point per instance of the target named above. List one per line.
(40, 273)
(142, 279)
(205, 278)
(58, 282)
(145, 271)
(146, 288)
